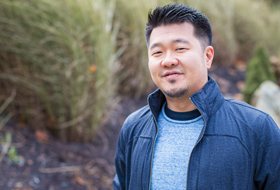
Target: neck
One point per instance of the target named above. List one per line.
(180, 105)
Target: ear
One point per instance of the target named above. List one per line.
(209, 55)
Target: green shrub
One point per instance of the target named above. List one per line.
(258, 70)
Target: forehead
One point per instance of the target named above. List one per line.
(165, 33)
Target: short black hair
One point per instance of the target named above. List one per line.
(177, 14)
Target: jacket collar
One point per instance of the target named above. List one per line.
(208, 100)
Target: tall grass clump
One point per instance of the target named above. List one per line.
(59, 55)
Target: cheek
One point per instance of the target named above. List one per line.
(152, 68)
(154, 72)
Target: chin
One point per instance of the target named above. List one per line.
(176, 93)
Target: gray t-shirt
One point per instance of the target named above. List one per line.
(172, 150)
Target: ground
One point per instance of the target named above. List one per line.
(46, 163)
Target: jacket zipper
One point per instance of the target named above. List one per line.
(153, 149)
(204, 127)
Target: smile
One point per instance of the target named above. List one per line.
(171, 74)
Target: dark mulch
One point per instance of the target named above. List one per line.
(51, 164)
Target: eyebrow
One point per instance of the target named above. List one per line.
(179, 40)
(155, 45)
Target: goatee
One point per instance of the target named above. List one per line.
(176, 93)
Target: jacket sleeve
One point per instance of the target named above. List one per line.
(119, 179)
(267, 173)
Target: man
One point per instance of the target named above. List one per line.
(190, 136)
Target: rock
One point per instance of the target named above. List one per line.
(36, 180)
(267, 99)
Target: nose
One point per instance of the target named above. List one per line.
(170, 60)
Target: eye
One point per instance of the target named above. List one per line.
(157, 53)
(180, 49)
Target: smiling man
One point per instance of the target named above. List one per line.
(189, 136)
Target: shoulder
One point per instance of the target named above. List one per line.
(247, 115)
(136, 121)
(137, 116)
(240, 108)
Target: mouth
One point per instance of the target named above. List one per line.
(169, 74)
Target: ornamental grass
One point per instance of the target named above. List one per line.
(59, 56)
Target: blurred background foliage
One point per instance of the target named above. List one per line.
(69, 60)
(259, 69)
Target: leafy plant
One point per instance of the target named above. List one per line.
(13, 154)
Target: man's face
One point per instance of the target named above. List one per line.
(178, 64)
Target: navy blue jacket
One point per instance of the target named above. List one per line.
(238, 148)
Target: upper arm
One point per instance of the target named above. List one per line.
(119, 179)
(267, 174)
